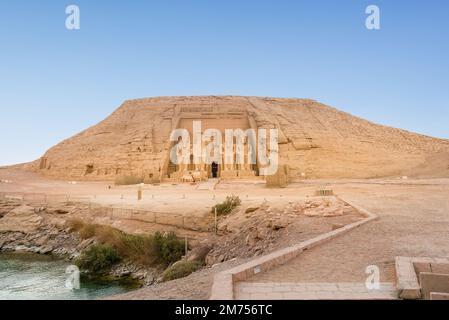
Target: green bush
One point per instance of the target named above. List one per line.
(227, 206)
(128, 180)
(98, 259)
(145, 249)
(169, 248)
(138, 248)
(180, 269)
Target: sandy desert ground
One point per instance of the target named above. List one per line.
(413, 221)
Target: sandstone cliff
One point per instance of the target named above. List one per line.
(316, 141)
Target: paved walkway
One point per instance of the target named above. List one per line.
(312, 291)
(414, 221)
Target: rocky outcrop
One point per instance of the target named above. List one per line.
(29, 228)
(44, 240)
(7, 205)
(21, 219)
(257, 230)
(44, 230)
(146, 275)
(321, 207)
(199, 253)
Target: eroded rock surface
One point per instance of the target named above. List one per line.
(261, 229)
(315, 141)
(21, 219)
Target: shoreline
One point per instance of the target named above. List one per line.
(34, 276)
(45, 231)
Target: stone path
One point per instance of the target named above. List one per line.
(312, 291)
(414, 221)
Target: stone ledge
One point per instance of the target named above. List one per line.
(223, 285)
(406, 279)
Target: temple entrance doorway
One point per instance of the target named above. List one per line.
(214, 170)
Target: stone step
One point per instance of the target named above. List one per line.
(313, 291)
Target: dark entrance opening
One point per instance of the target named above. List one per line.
(214, 170)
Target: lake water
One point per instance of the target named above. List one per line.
(29, 276)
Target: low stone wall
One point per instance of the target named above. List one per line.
(169, 219)
(223, 285)
(194, 223)
(42, 199)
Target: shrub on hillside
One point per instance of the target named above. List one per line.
(138, 248)
(98, 259)
(227, 206)
(145, 249)
(87, 231)
(180, 269)
(169, 248)
(75, 224)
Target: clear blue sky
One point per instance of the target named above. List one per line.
(55, 83)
